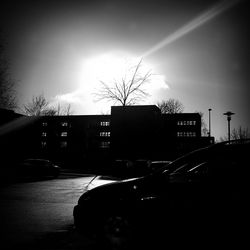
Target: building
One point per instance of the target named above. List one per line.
(74, 140)
(92, 141)
(143, 132)
(134, 131)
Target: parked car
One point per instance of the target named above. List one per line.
(125, 168)
(202, 192)
(156, 165)
(37, 168)
(121, 167)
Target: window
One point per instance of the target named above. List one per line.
(64, 124)
(63, 144)
(194, 166)
(64, 134)
(44, 144)
(105, 123)
(200, 168)
(186, 123)
(186, 134)
(105, 144)
(181, 123)
(44, 124)
(105, 134)
(44, 134)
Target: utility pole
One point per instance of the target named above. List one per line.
(228, 114)
(209, 123)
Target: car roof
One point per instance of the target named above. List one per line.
(241, 144)
(37, 160)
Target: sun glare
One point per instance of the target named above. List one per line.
(109, 67)
(112, 67)
(105, 67)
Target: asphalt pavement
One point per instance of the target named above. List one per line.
(38, 214)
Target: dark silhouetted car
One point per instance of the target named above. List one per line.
(37, 168)
(203, 194)
(156, 165)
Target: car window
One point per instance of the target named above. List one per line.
(186, 162)
(201, 168)
(190, 164)
(217, 159)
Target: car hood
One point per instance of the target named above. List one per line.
(97, 181)
(120, 190)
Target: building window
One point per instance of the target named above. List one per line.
(64, 124)
(105, 134)
(105, 144)
(44, 144)
(64, 134)
(179, 134)
(63, 144)
(44, 124)
(105, 123)
(186, 123)
(180, 123)
(44, 134)
(186, 134)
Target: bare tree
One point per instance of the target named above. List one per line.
(7, 85)
(39, 106)
(65, 110)
(240, 133)
(237, 134)
(170, 106)
(128, 90)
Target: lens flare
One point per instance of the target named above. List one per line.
(192, 25)
(16, 124)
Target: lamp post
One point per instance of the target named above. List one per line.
(228, 114)
(209, 123)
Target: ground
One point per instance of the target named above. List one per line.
(38, 214)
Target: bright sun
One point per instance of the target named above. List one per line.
(108, 67)
(115, 66)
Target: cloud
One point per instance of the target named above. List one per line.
(108, 66)
(73, 97)
(158, 82)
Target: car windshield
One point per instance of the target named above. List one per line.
(220, 156)
(158, 165)
(187, 162)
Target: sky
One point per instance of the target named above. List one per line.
(197, 51)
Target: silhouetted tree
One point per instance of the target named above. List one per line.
(237, 134)
(128, 90)
(7, 86)
(240, 133)
(64, 110)
(170, 106)
(39, 106)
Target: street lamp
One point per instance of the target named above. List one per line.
(228, 114)
(209, 123)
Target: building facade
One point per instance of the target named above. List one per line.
(143, 132)
(130, 132)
